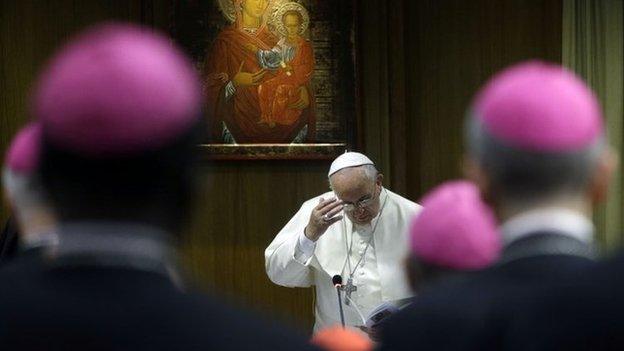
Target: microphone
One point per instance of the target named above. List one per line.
(337, 281)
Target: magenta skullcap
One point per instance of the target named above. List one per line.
(537, 106)
(24, 152)
(117, 89)
(455, 229)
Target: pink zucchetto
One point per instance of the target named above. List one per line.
(20, 171)
(537, 106)
(24, 153)
(117, 89)
(455, 229)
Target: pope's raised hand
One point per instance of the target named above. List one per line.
(322, 216)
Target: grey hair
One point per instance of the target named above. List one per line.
(370, 171)
(24, 192)
(526, 175)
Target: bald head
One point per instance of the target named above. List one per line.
(119, 97)
(535, 133)
(525, 176)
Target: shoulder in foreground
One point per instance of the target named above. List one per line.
(244, 329)
(25, 263)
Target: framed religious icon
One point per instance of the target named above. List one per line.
(279, 76)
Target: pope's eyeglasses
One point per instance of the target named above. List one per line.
(365, 202)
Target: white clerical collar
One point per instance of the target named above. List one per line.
(367, 228)
(560, 220)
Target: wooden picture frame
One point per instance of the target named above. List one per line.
(279, 76)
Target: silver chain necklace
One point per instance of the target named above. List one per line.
(349, 288)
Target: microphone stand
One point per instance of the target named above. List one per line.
(338, 288)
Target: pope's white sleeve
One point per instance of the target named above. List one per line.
(304, 249)
(287, 261)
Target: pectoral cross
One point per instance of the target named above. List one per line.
(349, 289)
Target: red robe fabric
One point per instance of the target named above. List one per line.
(241, 112)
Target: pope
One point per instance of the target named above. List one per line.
(359, 231)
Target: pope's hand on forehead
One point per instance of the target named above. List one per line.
(323, 215)
(330, 207)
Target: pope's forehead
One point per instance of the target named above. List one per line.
(351, 177)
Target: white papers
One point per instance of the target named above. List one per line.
(385, 310)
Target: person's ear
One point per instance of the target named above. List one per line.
(603, 173)
(379, 179)
(474, 172)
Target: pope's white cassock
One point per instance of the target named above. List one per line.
(293, 260)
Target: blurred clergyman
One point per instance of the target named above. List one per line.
(120, 113)
(537, 150)
(455, 233)
(34, 217)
